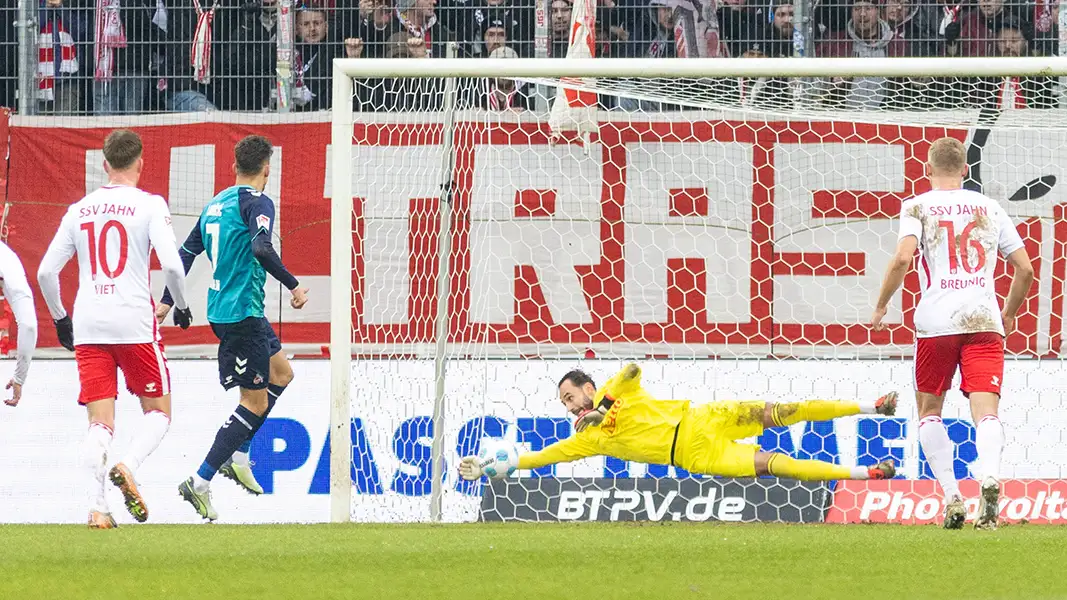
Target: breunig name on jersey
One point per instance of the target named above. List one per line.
(214, 210)
(107, 209)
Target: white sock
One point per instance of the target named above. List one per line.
(94, 459)
(938, 448)
(989, 440)
(240, 458)
(154, 426)
(860, 473)
(867, 407)
(199, 483)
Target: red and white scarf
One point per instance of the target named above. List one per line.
(499, 99)
(425, 32)
(200, 55)
(47, 64)
(110, 34)
(1011, 94)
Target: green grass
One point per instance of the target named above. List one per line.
(589, 561)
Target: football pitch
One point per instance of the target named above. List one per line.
(534, 561)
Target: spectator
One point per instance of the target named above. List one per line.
(661, 45)
(1015, 39)
(250, 57)
(494, 34)
(499, 94)
(374, 26)
(418, 19)
(183, 86)
(915, 23)
(743, 26)
(561, 28)
(313, 60)
(780, 34)
(612, 31)
(975, 34)
(516, 21)
(59, 57)
(866, 36)
(127, 49)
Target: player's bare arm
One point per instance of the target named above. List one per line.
(1020, 285)
(895, 272)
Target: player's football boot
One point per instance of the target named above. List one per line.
(122, 478)
(201, 501)
(886, 405)
(241, 474)
(883, 470)
(101, 520)
(955, 513)
(989, 506)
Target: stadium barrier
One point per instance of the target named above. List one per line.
(40, 479)
(1038, 501)
(803, 210)
(603, 499)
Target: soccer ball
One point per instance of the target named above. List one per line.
(498, 458)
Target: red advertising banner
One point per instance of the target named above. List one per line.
(920, 502)
(762, 237)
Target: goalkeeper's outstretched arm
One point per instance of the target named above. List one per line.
(568, 450)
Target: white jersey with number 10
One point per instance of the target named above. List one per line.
(113, 230)
(959, 233)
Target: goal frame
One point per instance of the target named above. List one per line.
(342, 118)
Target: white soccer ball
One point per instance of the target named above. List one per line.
(498, 458)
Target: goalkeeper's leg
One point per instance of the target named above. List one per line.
(785, 466)
(788, 413)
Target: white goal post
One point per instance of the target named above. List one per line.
(718, 201)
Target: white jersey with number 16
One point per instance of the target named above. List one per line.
(959, 233)
(113, 231)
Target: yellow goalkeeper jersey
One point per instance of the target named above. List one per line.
(637, 427)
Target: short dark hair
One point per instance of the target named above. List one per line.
(252, 154)
(577, 377)
(122, 148)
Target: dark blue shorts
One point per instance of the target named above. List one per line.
(245, 349)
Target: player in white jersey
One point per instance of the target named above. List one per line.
(958, 322)
(18, 294)
(113, 231)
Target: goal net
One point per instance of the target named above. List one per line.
(723, 222)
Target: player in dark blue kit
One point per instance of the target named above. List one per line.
(235, 231)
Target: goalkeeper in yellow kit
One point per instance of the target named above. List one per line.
(624, 421)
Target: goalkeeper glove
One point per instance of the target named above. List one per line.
(589, 418)
(183, 317)
(470, 468)
(65, 332)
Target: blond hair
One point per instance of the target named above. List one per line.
(947, 156)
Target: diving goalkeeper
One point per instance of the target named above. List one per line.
(624, 421)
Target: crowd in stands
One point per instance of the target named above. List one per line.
(130, 56)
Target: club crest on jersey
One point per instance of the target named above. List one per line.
(263, 221)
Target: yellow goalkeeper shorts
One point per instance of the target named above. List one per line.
(707, 438)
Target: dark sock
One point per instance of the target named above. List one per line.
(273, 391)
(232, 433)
